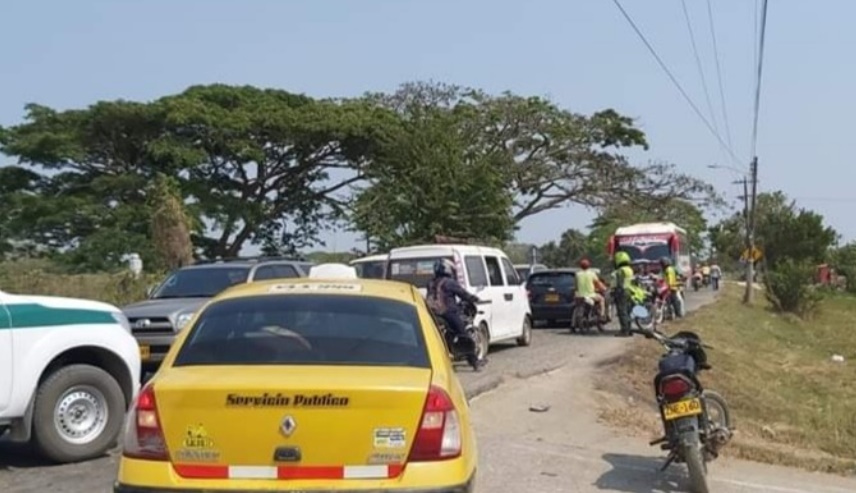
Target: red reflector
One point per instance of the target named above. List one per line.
(675, 387)
(200, 471)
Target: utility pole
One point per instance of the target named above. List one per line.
(749, 210)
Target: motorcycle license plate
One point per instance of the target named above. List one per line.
(145, 352)
(681, 409)
(551, 298)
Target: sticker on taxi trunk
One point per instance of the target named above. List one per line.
(390, 438)
(197, 446)
(317, 287)
(281, 400)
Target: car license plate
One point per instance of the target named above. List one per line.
(681, 409)
(145, 352)
(551, 298)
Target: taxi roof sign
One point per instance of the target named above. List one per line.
(333, 271)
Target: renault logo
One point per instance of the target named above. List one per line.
(142, 323)
(287, 426)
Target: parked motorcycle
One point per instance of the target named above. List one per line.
(585, 316)
(696, 421)
(459, 346)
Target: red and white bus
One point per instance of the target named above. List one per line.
(653, 241)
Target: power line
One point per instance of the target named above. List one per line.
(699, 65)
(675, 81)
(719, 75)
(758, 77)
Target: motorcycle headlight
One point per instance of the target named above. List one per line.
(122, 320)
(182, 320)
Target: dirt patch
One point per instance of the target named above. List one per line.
(791, 403)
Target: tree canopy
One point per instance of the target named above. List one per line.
(273, 169)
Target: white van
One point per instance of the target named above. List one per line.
(486, 272)
(371, 267)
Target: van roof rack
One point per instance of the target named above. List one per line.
(254, 259)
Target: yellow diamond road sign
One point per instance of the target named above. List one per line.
(756, 254)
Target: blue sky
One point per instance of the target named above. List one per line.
(582, 54)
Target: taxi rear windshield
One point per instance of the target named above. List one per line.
(306, 329)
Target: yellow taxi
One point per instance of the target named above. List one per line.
(327, 383)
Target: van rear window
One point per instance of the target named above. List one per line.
(306, 329)
(416, 271)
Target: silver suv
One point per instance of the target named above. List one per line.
(156, 321)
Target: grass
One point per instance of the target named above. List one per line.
(791, 404)
(43, 278)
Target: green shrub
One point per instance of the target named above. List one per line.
(38, 277)
(789, 288)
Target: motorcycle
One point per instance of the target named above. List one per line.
(585, 316)
(650, 301)
(459, 346)
(696, 421)
(705, 280)
(696, 281)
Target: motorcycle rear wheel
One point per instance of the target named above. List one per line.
(695, 465)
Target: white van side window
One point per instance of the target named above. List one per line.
(511, 277)
(476, 272)
(494, 271)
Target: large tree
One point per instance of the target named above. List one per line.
(548, 157)
(256, 166)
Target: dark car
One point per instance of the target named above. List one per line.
(551, 295)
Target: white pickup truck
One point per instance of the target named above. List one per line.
(69, 369)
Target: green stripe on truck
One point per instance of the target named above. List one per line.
(31, 315)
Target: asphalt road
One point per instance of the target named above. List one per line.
(552, 348)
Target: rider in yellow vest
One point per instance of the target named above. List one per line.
(624, 291)
(587, 285)
(670, 275)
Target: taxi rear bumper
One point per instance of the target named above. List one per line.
(468, 487)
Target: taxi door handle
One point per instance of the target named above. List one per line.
(509, 296)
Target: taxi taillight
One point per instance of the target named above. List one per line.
(143, 433)
(439, 434)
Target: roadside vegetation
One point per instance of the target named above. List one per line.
(791, 402)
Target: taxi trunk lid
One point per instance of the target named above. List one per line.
(300, 422)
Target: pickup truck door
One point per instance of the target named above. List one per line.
(6, 370)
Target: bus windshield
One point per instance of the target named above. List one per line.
(647, 252)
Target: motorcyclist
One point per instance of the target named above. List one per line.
(443, 290)
(671, 277)
(645, 276)
(705, 272)
(623, 292)
(589, 287)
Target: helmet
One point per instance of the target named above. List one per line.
(585, 264)
(621, 258)
(444, 267)
(665, 261)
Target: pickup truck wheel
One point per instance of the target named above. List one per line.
(78, 414)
